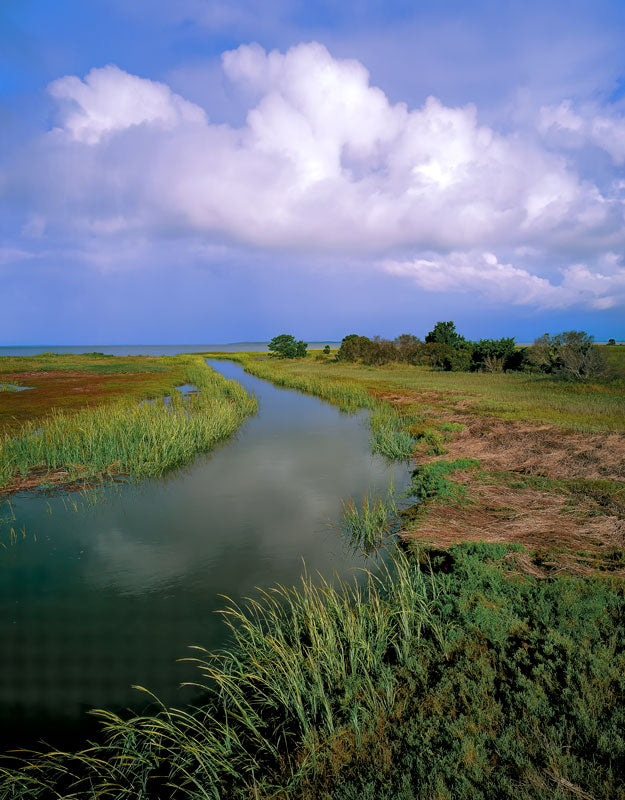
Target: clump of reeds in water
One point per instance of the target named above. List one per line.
(389, 434)
(368, 526)
(124, 437)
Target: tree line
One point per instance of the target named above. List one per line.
(572, 354)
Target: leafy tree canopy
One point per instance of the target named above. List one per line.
(285, 346)
(572, 355)
(446, 333)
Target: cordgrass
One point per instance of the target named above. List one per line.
(436, 676)
(367, 527)
(126, 437)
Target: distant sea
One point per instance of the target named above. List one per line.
(148, 349)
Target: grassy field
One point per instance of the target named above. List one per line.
(537, 398)
(72, 382)
(110, 431)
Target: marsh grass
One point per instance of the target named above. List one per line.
(124, 437)
(367, 527)
(583, 407)
(389, 433)
(72, 383)
(431, 482)
(450, 679)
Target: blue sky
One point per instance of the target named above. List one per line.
(198, 171)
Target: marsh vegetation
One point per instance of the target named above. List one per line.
(123, 436)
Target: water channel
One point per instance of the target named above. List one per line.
(96, 597)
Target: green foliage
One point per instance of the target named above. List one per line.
(326, 350)
(369, 351)
(409, 348)
(495, 355)
(430, 481)
(285, 346)
(368, 526)
(442, 675)
(445, 333)
(611, 342)
(571, 355)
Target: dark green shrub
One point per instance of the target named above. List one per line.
(571, 355)
(285, 346)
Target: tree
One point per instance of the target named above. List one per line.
(493, 355)
(611, 342)
(285, 346)
(572, 355)
(408, 347)
(326, 350)
(445, 333)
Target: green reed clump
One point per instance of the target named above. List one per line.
(389, 434)
(367, 527)
(430, 481)
(124, 437)
(460, 679)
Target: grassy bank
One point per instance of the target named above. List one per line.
(125, 436)
(585, 407)
(504, 458)
(441, 676)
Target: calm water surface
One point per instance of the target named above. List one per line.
(146, 349)
(110, 594)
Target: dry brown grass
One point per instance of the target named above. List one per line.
(577, 538)
(563, 533)
(531, 449)
(506, 445)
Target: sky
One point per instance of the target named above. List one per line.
(192, 171)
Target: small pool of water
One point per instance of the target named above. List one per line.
(13, 387)
(96, 597)
(185, 389)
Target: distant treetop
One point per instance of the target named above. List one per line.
(445, 333)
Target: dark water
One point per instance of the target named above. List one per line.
(146, 349)
(110, 594)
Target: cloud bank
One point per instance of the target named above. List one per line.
(506, 284)
(325, 163)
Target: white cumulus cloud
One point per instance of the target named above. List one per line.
(110, 100)
(509, 285)
(324, 162)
